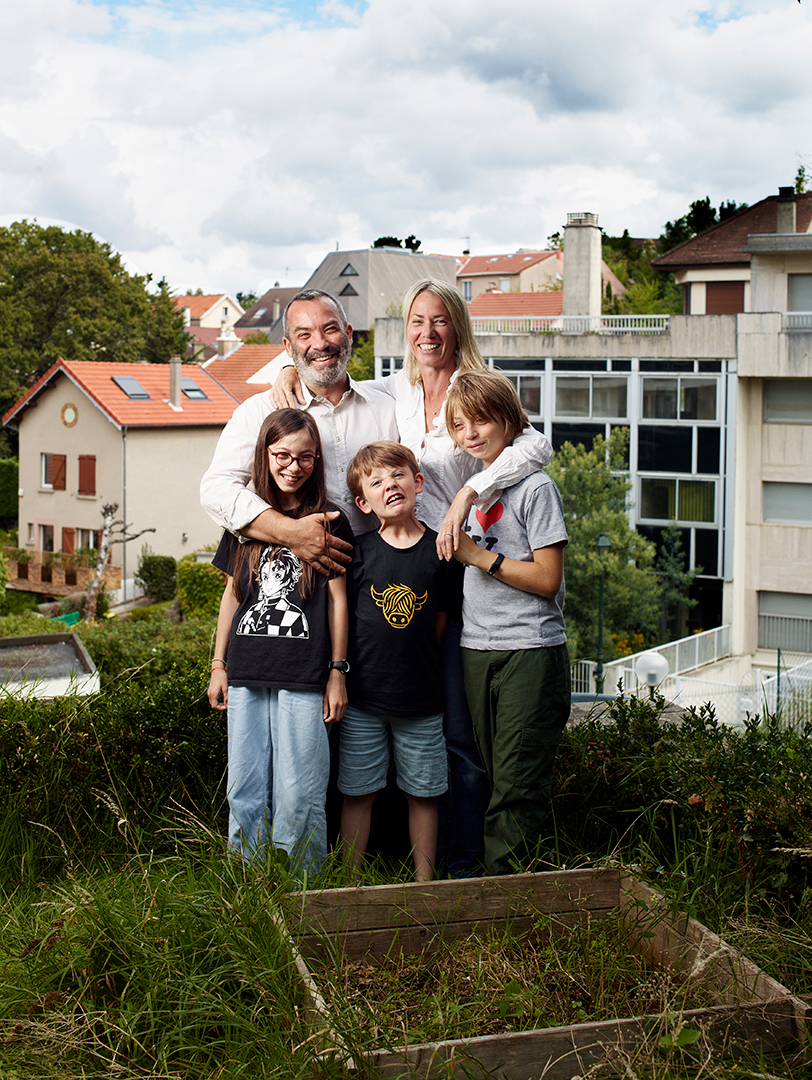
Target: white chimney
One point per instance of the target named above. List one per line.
(582, 265)
(786, 210)
(227, 341)
(277, 310)
(174, 382)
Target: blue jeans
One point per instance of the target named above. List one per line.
(462, 809)
(278, 768)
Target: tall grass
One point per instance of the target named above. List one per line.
(133, 945)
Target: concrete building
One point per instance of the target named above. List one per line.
(719, 408)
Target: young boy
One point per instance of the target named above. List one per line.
(517, 673)
(401, 594)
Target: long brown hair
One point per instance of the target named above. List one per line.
(312, 495)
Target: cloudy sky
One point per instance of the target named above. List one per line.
(231, 145)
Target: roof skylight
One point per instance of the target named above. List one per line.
(131, 387)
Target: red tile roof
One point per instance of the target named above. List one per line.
(208, 335)
(95, 378)
(516, 304)
(234, 370)
(722, 243)
(200, 305)
(478, 265)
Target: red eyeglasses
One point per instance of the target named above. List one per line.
(283, 459)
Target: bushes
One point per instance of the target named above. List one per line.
(79, 774)
(157, 575)
(9, 488)
(200, 587)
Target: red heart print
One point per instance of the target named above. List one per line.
(490, 517)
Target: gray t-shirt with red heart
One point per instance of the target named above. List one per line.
(496, 616)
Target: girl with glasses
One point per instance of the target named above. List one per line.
(279, 664)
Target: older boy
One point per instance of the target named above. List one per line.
(402, 592)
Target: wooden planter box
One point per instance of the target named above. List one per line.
(365, 923)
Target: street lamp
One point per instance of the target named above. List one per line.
(602, 545)
(651, 668)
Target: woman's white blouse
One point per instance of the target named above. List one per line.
(445, 467)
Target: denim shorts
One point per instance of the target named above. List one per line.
(418, 745)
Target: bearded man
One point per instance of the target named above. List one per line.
(348, 414)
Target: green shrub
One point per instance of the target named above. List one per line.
(200, 587)
(157, 575)
(14, 602)
(9, 487)
(92, 773)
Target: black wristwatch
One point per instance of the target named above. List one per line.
(497, 562)
(340, 665)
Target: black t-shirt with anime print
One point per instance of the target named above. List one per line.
(395, 660)
(279, 636)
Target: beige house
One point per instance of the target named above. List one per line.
(140, 435)
(213, 311)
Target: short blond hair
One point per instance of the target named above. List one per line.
(374, 456)
(469, 358)
(487, 394)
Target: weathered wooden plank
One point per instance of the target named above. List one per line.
(376, 945)
(681, 942)
(445, 902)
(599, 1048)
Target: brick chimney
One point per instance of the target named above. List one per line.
(786, 210)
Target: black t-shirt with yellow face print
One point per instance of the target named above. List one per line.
(395, 665)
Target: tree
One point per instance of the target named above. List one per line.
(594, 487)
(257, 337)
(66, 294)
(699, 219)
(411, 242)
(246, 299)
(362, 361)
(675, 580)
(113, 532)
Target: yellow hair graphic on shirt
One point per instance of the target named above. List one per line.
(399, 603)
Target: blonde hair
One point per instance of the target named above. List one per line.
(469, 358)
(487, 394)
(373, 456)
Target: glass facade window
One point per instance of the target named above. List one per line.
(658, 498)
(697, 399)
(696, 500)
(664, 449)
(575, 434)
(788, 401)
(571, 396)
(609, 397)
(530, 393)
(660, 399)
(708, 447)
(706, 551)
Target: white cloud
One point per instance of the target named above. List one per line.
(224, 146)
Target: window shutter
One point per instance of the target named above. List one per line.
(68, 541)
(87, 474)
(60, 468)
(724, 297)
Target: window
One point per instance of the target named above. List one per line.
(259, 313)
(30, 533)
(696, 397)
(785, 621)
(664, 449)
(54, 467)
(596, 396)
(583, 434)
(528, 388)
(131, 387)
(191, 390)
(504, 284)
(46, 537)
(87, 474)
(225, 312)
(788, 502)
(788, 401)
(88, 538)
(665, 499)
(799, 289)
(349, 271)
(467, 290)
(724, 297)
(348, 290)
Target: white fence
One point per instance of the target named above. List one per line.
(572, 324)
(789, 694)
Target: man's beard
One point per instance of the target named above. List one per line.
(333, 373)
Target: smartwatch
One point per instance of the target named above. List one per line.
(493, 568)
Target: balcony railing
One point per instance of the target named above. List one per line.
(798, 320)
(572, 324)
